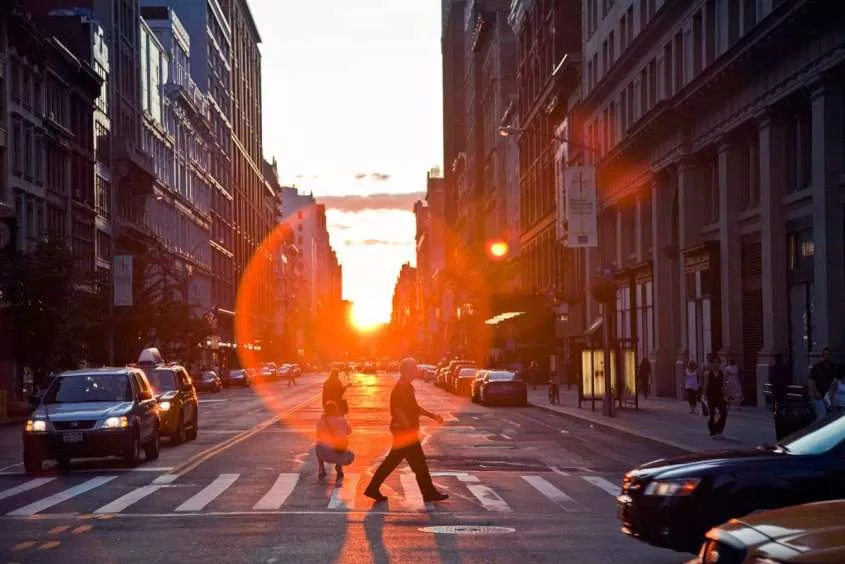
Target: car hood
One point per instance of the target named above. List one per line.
(698, 463)
(72, 411)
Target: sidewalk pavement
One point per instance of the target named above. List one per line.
(666, 421)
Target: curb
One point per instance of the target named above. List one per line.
(621, 429)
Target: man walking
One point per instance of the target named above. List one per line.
(405, 426)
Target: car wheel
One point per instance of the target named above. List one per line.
(32, 462)
(483, 398)
(191, 434)
(63, 463)
(132, 457)
(178, 437)
(152, 448)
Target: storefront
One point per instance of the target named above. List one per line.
(703, 330)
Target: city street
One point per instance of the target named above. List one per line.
(247, 489)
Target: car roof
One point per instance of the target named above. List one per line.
(93, 371)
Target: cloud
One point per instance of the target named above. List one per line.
(376, 243)
(380, 176)
(354, 203)
(339, 226)
(361, 176)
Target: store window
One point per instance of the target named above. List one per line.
(645, 317)
(701, 291)
(802, 338)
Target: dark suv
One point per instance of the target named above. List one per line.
(177, 401)
(93, 413)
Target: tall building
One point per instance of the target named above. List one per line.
(716, 195)
(210, 68)
(176, 132)
(252, 216)
(403, 317)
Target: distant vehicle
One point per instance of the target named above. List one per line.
(208, 381)
(463, 381)
(237, 377)
(93, 413)
(500, 386)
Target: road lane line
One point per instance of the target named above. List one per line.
(62, 496)
(10, 466)
(209, 493)
(25, 487)
(558, 471)
(552, 492)
(343, 496)
(413, 496)
(193, 462)
(136, 495)
(276, 496)
(505, 436)
(603, 484)
(489, 499)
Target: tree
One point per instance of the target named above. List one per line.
(56, 310)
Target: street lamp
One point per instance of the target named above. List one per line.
(507, 131)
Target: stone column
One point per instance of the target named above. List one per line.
(664, 257)
(773, 247)
(639, 246)
(828, 237)
(730, 259)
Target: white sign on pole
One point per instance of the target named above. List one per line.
(122, 277)
(581, 207)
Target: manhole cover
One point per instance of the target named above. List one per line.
(467, 530)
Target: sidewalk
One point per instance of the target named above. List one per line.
(666, 421)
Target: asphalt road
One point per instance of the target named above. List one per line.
(524, 486)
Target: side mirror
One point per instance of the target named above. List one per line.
(145, 396)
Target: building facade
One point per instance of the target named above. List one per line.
(719, 199)
(403, 317)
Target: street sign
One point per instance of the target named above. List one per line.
(581, 207)
(122, 280)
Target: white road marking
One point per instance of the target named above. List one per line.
(552, 492)
(62, 496)
(490, 499)
(604, 484)
(209, 493)
(212, 400)
(504, 436)
(343, 497)
(276, 496)
(449, 418)
(413, 497)
(153, 468)
(25, 487)
(512, 422)
(10, 466)
(558, 471)
(461, 476)
(136, 495)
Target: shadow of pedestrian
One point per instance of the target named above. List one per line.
(373, 530)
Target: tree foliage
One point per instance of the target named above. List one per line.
(56, 312)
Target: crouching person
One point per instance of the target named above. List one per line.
(333, 440)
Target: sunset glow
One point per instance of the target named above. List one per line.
(366, 319)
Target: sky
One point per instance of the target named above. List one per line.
(351, 93)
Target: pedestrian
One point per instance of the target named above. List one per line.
(821, 379)
(644, 376)
(837, 392)
(779, 380)
(533, 373)
(405, 427)
(733, 385)
(554, 388)
(291, 373)
(714, 391)
(333, 441)
(692, 384)
(333, 390)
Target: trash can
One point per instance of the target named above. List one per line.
(795, 412)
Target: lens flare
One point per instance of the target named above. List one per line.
(498, 249)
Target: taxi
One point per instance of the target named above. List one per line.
(178, 405)
(812, 532)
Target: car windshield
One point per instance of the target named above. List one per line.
(467, 373)
(502, 377)
(89, 388)
(162, 380)
(818, 438)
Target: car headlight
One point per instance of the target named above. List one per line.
(668, 488)
(164, 405)
(116, 423)
(36, 426)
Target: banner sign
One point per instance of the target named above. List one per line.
(581, 207)
(122, 280)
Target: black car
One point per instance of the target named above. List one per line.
(207, 381)
(237, 377)
(673, 502)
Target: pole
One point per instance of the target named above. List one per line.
(607, 404)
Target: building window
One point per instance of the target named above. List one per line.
(798, 150)
(710, 31)
(17, 148)
(751, 165)
(697, 43)
(102, 144)
(102, 196)
(29, 149)
(644, 297)
(103, 246)
(679, 62)
(801, 305)
(612, 43)
(699, 314)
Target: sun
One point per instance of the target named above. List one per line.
(365, 318)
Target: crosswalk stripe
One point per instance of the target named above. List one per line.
(604, 484)
(276, 496)
(489, 499)
(209, 493)
(62, 496)
(413, 496)
(25, 487)
(343, 497)
(553, 493)
(136, 495)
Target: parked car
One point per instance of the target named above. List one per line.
(237, 377)
(673, 502)
(502, 386)
(208, 381)
(463, 381)
(93, 413)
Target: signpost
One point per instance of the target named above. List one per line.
(581, 197)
